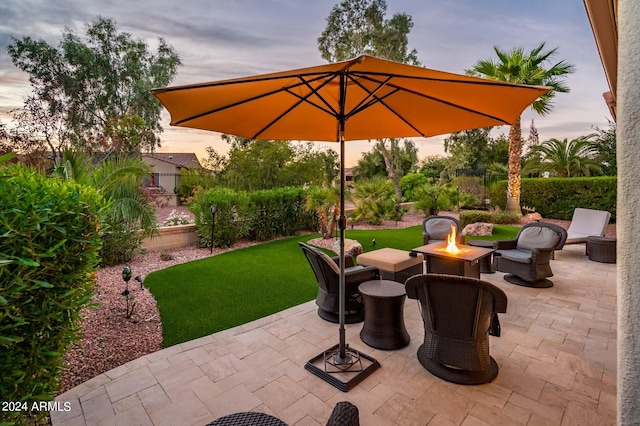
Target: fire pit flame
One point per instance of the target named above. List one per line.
(451, 242)
(451, 247)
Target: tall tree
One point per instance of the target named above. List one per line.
(533, 139)
(99, 87)
(498, 151)
(469, 147)
(264, 164)
(518, 66)
(433, 166)
(356, 27)
(564, 158)
(403, 157)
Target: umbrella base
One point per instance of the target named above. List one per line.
(343, 373)
(543, 283)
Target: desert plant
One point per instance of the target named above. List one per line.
(166, 256)
(120, 181)
(375, 200)
(324, 202)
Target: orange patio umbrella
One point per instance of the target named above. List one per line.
(359, 99)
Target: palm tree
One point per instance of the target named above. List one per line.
(120, 181)
(325, 202)
(564, 158)
(518, 66)
(375, 200)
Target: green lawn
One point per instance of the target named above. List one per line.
(208, 295)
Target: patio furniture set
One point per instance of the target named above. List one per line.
(459, 310)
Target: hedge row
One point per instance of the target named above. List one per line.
(258, 216)
(556, 198)
(49, 244)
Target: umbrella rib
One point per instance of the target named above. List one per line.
(302, 99)
(244, 101)
(422, 95)
(477, 81)
(324, 101)
(370, 99)
(374, 99)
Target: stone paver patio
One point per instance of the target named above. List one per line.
(557, 358)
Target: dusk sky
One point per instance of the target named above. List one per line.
(218, 39)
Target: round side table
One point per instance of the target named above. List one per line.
(486, 265)
(383, 314)
(602, 249)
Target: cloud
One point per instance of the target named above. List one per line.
(233, 38)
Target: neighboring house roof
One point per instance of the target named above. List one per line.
(179, 159)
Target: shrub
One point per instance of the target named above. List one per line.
(49, 244)
(411, 183)
(556, 198)
(119, 243)
(473, 188)
(231, 216)
(375, 201)
(166, 256)
(259, 215)
(495, 217)
(277, 212)
(191, 178)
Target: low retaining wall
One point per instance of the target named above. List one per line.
(169, 237)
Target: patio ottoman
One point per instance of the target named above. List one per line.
(396, 265)
(602, 249)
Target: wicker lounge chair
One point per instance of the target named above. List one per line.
(526, 259)
(459, 314)
(436, 228)
(587, 223)
(344, 414)
(327, 274)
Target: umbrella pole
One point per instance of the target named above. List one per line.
(339, 359)
(342, 356)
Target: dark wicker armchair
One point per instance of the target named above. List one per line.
(436, 228)
(344, 414)
(327, 274)
(459, 314)
(526, 259)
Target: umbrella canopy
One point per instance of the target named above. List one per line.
(375, 99)
(358, 99)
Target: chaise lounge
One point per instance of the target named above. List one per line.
(587, 223)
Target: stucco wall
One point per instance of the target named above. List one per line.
(628, 219)
(167, 173)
